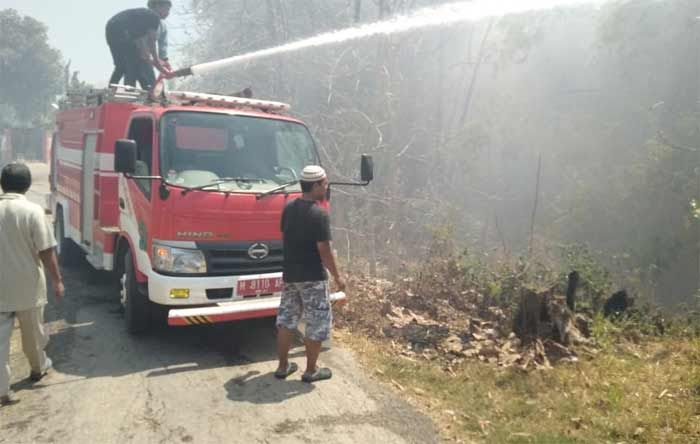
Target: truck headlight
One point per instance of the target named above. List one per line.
(178, 260)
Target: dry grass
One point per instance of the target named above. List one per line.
(629, 393)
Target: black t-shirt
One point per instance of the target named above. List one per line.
(134, 23)
(303, 225)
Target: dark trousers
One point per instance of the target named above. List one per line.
(128, 62)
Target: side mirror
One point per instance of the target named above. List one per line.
(366, 168)
(125, 156)
(366, 175)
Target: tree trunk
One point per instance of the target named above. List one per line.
(545, 316)
(529, 316)
(534, 207)
(475, 74)
(272, 21)
(571, 291)
(383, 9)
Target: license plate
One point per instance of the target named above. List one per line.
(256, 287)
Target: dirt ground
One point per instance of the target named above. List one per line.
(203, 384)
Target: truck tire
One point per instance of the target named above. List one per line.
(137, 307)
(159, 316)
(69, 254)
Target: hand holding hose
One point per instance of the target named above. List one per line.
(164, 68)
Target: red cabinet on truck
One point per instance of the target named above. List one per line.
(193, 232)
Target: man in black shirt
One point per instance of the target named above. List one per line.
(131, 36)
(307, 254)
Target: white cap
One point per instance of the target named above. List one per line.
(313, 173)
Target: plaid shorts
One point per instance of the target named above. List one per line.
(309, 301)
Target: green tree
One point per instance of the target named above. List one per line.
(30, 70)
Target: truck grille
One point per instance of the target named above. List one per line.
(232, 259)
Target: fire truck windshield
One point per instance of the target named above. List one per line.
(199, 148)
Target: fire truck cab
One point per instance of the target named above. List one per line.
(181, 199)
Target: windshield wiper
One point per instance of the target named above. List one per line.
(221, 181)
(276, 189)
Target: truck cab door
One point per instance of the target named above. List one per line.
(136, 216)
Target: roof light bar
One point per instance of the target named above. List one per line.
(227, 101)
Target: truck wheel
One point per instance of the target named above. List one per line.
(159, 316)
(137, 307)
(69, 254)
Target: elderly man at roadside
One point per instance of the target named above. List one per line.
(27, 247)
(306, 229)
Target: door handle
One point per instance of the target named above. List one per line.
(122, 205)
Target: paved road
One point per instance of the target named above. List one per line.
(202, 384)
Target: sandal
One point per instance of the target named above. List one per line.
(36, 377)
(9, 399)
(320, 374)
(291, 368)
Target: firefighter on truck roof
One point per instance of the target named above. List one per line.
(132, 36)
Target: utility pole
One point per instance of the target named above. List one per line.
(358, 11)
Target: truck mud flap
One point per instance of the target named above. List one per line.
(233, 311)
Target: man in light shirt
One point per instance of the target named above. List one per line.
(27, 247)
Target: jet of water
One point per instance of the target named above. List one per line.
(450, 13)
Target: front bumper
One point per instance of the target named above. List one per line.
(160, 286)
(234, 311)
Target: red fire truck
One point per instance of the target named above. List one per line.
(181, 199)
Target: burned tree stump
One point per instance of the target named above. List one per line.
(617, 304)
(546, 316)
(529, 316)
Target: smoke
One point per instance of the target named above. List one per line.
(451, 13)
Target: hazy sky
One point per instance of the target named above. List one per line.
(77, 29)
